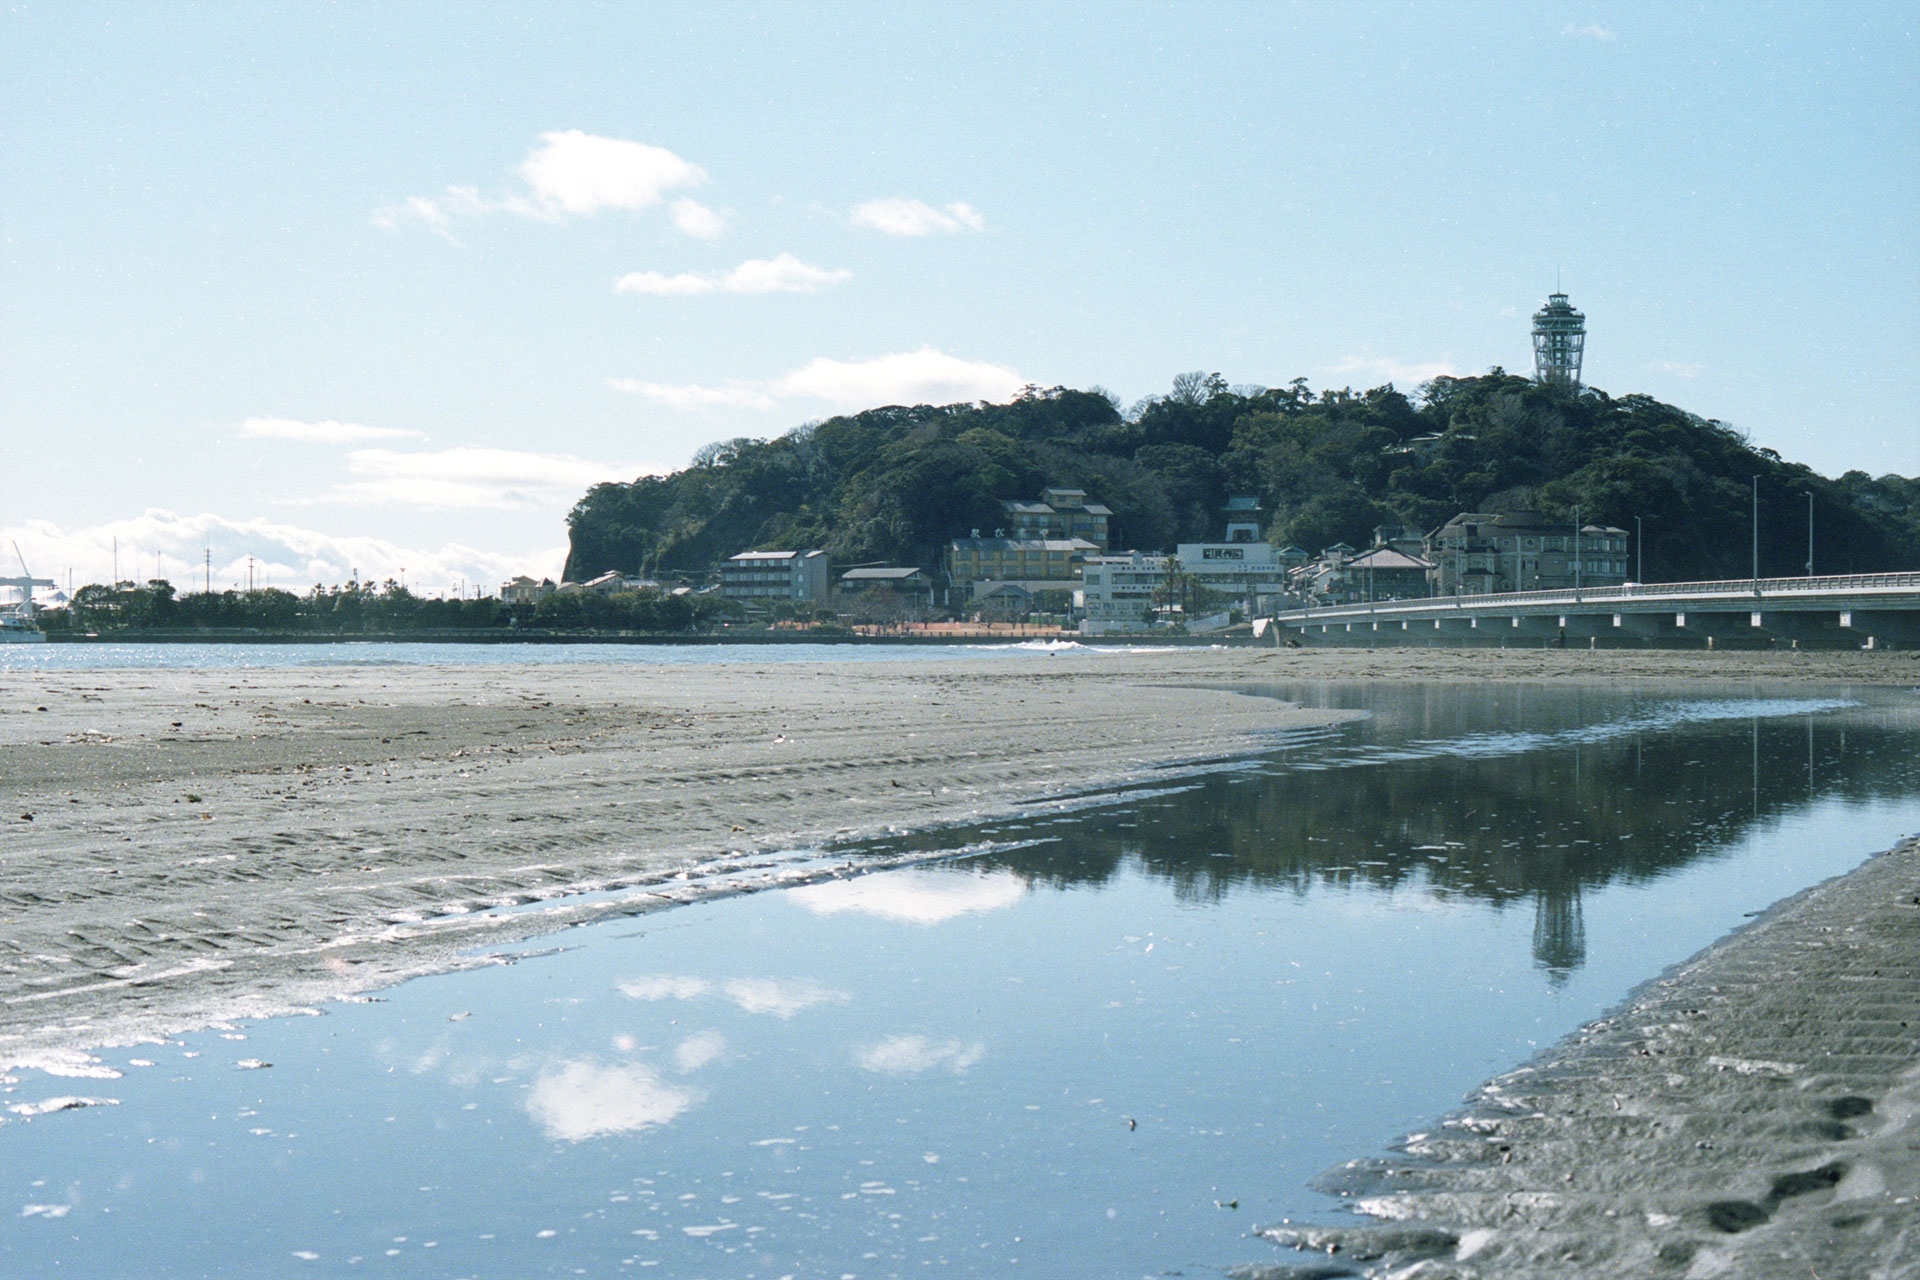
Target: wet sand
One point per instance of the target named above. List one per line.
(189, 847)
(186, 848)
(1751, 1113)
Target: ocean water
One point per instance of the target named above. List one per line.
(382, 653)
(1103, 1042)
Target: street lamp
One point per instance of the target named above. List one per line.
(1639, 553)
(1756, 530)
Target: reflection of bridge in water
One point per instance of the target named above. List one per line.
(1874, 611)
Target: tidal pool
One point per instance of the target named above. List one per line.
(1104, 1042)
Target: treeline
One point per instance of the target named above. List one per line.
(894, 485)
(360, 608)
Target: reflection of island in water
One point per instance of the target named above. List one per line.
(1440, 804)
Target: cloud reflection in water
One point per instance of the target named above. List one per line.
(697, 1051)
(582, 1100)
(781, 997)
(909, 1055)
(913, 897)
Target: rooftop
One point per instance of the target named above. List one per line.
(879, 574)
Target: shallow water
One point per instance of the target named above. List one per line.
(1110, 1044)
(383, 653)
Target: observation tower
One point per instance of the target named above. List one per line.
(1559, 339)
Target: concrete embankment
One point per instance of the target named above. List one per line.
(1753, 1112)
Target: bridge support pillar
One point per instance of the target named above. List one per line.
(1721, 627)
(1807, 630)
(1878, 629)
(1643, 627)
(1586, 626)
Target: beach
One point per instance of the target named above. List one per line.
(190, 847)
(187, 848)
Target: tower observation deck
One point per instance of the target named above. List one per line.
(1559, 340)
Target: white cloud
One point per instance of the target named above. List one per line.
(693, 396)
(287, 556)
(585, 1100)
(1591, 31)
(926, 897)
(1682, 368)
(925, 376)
(696, 220)
(782, 274)
(661, 285)
(417, 208)
(572, 174)
(1375, 370)
(327, 432)
(908, 1055)
(469, 477)
(902, 217)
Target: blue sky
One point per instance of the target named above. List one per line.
(385, 286)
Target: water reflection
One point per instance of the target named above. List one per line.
(782, 998)
(909, 1055)
(581, 1100)
(1498, 817)
(1064, 1058)
(915, 899)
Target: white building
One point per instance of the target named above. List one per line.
(1118, 591)
(524, 590)
(775, 575)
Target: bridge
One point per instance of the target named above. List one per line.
(1862, 611)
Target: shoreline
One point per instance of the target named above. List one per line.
(1749, 1111)
(188, 846)
(209, 845)
(192, 846)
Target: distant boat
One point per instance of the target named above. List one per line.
(15, 629)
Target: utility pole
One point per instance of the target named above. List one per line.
(1809, 533)
(1756, 531)
(1576, 548)
(1639, 553)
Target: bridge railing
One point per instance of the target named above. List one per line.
(1724, 589)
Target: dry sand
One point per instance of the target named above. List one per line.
(187, 847)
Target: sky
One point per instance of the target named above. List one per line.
(294, 291)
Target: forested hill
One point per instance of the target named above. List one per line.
(894, 485)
